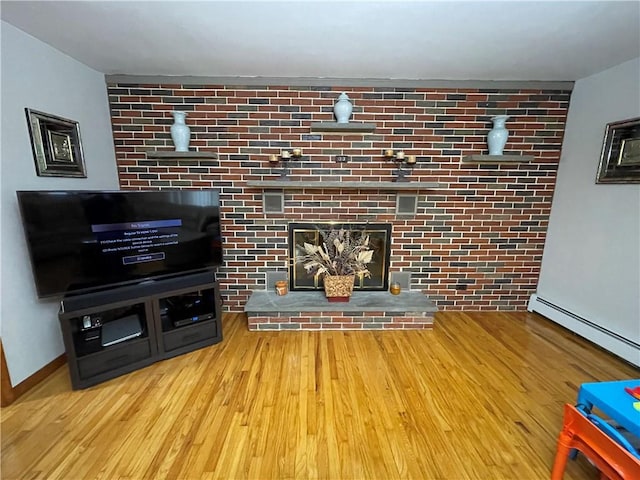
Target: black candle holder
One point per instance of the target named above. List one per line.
(401, 173)
(284, 171)
(400, 159)
(284, 158)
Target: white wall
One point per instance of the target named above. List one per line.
(37, 76)
(591, 260)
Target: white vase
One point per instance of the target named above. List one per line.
(343, 108)
(180, 132)
(497, 137)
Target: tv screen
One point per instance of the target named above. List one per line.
(80, 241)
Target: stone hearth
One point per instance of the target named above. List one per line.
(366, 310)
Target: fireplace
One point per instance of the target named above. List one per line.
(379, 242)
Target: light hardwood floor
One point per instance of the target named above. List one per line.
(479, 397)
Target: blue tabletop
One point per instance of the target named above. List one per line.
(612, 400)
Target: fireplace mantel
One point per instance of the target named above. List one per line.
(290, 185)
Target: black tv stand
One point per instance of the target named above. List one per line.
(146, 331)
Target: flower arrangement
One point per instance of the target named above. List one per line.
(342, 252)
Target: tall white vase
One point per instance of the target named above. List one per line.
(497, 137)
(180, 132)
(343, 108)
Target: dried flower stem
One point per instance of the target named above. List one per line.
(341, 253)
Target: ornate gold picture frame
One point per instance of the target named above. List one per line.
(620, 157)
(56, 145)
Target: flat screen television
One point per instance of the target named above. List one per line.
(82, 241)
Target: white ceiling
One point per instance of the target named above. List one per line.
(451, 40)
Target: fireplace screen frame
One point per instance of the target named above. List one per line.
(380, 242)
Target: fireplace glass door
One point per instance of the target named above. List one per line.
(379, 242)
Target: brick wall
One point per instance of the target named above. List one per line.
(476, 242)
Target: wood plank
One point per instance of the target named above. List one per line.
(479, 396)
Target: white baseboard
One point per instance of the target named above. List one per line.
(616, 344)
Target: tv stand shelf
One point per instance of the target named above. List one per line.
(163, 319)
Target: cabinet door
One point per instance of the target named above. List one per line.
(190, 336)
(113, 359)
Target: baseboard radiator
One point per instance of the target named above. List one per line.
(623, 347)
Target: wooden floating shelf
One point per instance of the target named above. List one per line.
(498, 158)
(289, 184)
(174, 155)
(351, 127)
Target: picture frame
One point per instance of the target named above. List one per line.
(620, 156)
(56, 145)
